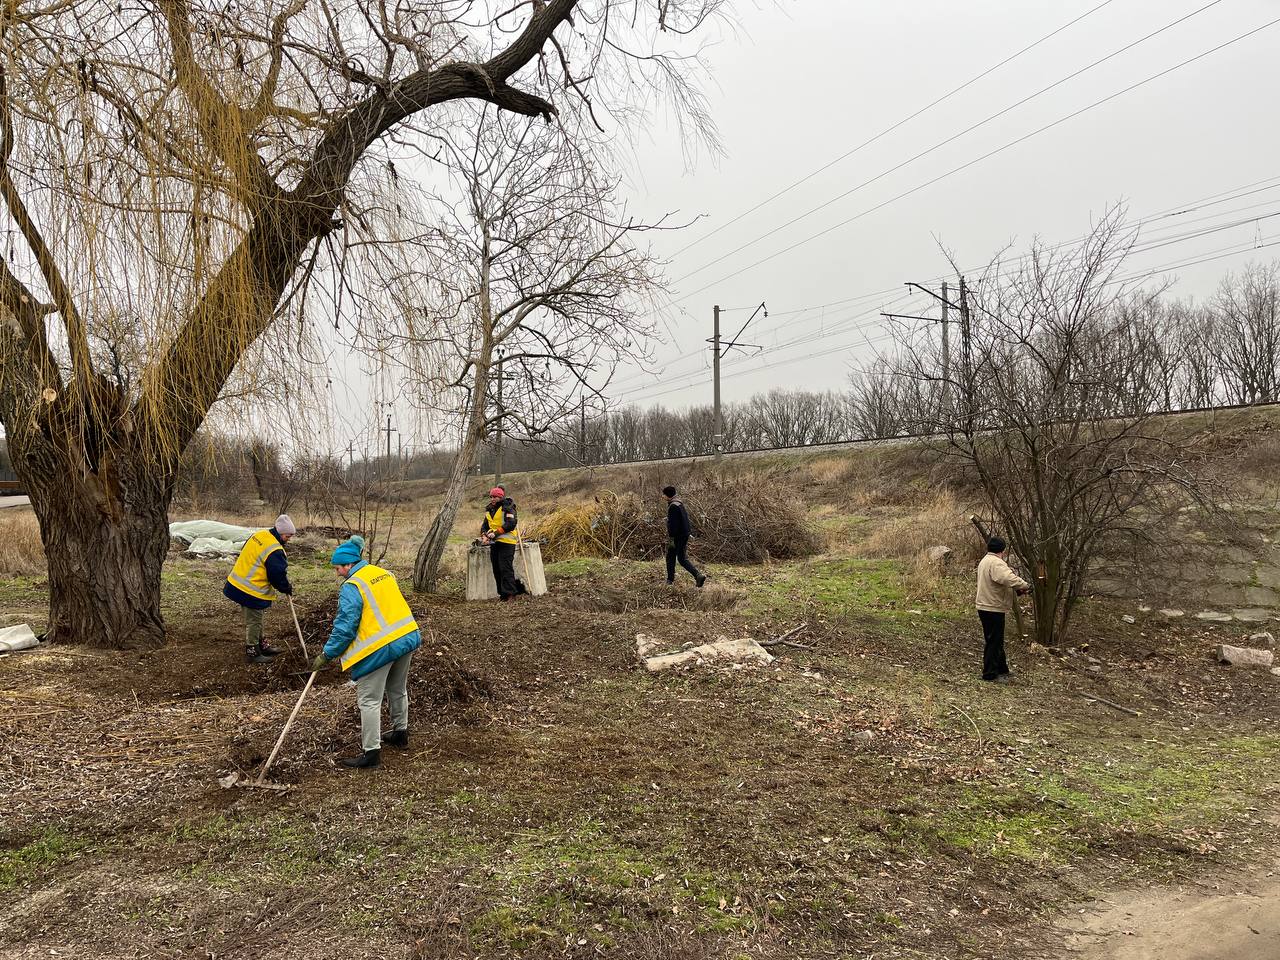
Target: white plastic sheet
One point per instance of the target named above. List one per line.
(188, 530)
(209, 538)
(17, 638)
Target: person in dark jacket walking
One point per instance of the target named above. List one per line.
(678, 531)
(261, 571)
(500, 529)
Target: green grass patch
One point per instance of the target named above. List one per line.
(1160, 791)
(17, 590)
(51, 849)
(553, 884)
(576, 567)
(840, 587)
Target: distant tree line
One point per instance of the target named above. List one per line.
(1151, 353)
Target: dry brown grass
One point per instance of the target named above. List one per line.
(23, 551)
(939, 520)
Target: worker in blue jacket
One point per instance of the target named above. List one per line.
(374, 636)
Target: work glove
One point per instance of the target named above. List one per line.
(671, 543)
(319, 663)
(1023, 591)
(287, 591)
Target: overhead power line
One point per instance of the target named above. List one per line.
(1180, 209)
(888, 130)
(986, 156)
(955, 136)
(656, 391)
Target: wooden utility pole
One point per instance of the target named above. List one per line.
(582, 431)
(717, 425)
(719, 349)
(946, 351)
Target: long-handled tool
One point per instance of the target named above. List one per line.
(235, 780)
(297, 626)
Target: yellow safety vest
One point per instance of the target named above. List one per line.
(495, 520)
(250, 572)
(386, 617)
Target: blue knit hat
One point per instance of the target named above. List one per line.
(349, 551)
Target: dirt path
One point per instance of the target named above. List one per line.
(1236, 919)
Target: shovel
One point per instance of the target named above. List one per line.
(236, 780)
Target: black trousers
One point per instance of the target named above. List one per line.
(679, 554)
(503, 558)
(993, 662)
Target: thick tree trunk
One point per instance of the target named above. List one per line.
(426, 568)
(104, 570)
(102, 506)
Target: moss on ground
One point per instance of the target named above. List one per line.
(1162, 791)
(52, 849)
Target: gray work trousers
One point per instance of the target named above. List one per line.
(391, 680)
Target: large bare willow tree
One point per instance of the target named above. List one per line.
(172, 175)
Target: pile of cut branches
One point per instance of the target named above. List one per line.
(741, 520)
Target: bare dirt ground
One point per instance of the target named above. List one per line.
(868, 797)
(1235, 919)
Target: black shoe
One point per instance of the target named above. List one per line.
(255, 655)
(396, 738)
(701, 580)
(268, 651)
(369, 758)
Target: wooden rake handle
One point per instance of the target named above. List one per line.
(285, 732)
(297, 626)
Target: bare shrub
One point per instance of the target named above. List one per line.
(746, 519)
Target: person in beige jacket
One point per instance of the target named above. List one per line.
(998, 585)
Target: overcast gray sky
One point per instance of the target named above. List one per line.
(801, 82)
(809, 80)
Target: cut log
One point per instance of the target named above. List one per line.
(1245, 656)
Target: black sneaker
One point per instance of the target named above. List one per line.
(368, 758)
(255, 655)
(701, 580)
(396, 738)
(269, 651)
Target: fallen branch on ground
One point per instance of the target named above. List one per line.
(1112, 704)
(786, 638)
(976, 731)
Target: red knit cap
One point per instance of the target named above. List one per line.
(497, 493)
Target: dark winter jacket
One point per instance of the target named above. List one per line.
(508, 516)
(277, 575)
(678, 525)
